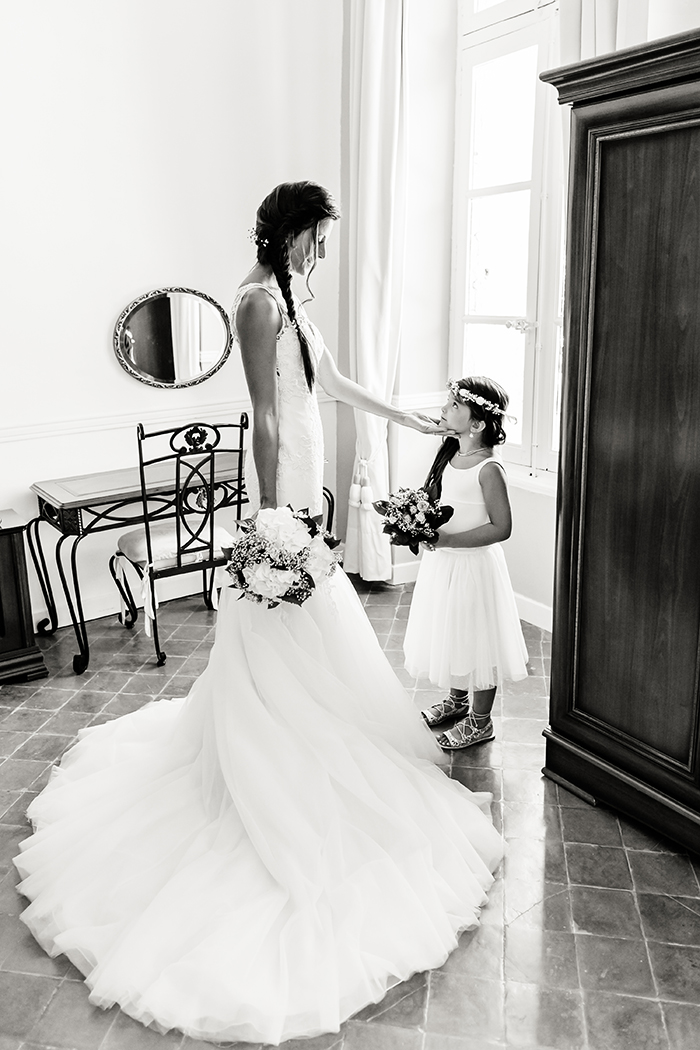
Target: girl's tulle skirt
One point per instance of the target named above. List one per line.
(463, 627)
(267, 856)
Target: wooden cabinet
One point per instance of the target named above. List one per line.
(625, 713)
(20, 657)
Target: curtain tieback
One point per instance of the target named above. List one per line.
(361, 494)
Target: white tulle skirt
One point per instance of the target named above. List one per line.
(265, 857)
(463, 626)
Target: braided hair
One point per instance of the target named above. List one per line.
(291, 208)
(493, 433)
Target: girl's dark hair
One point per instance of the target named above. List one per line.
(291, 208)
(493, 433)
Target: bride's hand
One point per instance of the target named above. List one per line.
(425, 424)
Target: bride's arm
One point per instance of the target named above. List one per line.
(258, 322)
(343, 389)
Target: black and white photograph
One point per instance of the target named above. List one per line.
(350, 525)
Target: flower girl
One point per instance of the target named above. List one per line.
(463, 629)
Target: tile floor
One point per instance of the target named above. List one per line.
(590, 940)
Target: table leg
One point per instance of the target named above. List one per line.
(45, 626)
(75, 607)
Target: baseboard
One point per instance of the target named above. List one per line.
(405, 572)
(536, 613)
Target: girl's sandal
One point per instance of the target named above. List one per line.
(465, 733)
(450, 707)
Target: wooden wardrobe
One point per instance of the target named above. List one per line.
(625, 709)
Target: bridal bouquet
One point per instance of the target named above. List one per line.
(410, 517)
(281, 557)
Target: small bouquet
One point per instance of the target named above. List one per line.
(411, 517)
(281, 557)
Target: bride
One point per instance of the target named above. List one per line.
(266, 856)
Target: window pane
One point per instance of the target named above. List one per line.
(503, 119)
(498, 352)
(498, 254)
(483, 5)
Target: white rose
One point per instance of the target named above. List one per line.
(320, 559)
(268, 582)
(280, 527)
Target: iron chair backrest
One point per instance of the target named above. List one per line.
(187, 474)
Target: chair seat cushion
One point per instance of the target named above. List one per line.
(164, 546)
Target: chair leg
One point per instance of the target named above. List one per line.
(160, 655)
(122, 584)
(208, 588)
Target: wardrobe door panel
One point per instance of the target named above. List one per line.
(639, 598)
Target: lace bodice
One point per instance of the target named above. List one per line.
(300, 454)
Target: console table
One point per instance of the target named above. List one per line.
(88, 503)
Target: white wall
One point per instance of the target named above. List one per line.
(140, 138)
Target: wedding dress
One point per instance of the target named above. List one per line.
(266, 856)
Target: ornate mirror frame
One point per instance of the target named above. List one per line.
(121, 334)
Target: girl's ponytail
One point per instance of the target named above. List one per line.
(433, 482)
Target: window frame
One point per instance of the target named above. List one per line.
(538, 452)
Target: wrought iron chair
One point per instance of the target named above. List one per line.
(188, 473)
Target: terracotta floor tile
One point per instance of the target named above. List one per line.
(539, 860)
(479, 953)
(88, 700)
(66, 723)
(70, 1021)
(611, 964)
(675, 920)
(17, 813)
(48, 699)
(476, 778)
(524, 785)
(543, 1018)
(127, 1034)
(462, 1006)
(44, 746)
(591, 824)
(682, 1025)
(541, 957)
(24, 720)
(359, 1036)
(403, 1006)
(661, 873)
(611, 913)
(23, 1000)
(531, 820)
(620, 1022)
(551, 910)
(598, 866)
(18, 773)
(11, 741)
(676, 968)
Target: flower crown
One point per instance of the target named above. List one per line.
(464, 395)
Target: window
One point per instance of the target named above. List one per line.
(508, 230)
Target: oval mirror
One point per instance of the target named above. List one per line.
(172, 337)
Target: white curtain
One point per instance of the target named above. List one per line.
(376, 221)
(596, 27)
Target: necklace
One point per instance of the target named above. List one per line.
(473, 452)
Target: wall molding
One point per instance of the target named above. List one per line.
(126, 420)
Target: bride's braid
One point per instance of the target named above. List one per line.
(291, 208)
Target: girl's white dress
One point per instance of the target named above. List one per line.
(266, 856)
(463, 626)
